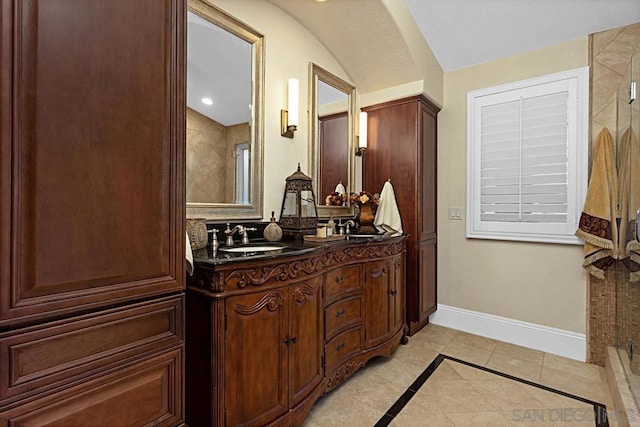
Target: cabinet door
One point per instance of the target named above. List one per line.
(428, 281)
(91, 154)
(256, 357)
(305, 340)
(397, 286)
(379, 307)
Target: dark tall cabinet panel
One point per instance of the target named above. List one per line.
(92, 217)
(402, 147)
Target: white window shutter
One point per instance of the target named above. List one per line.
(527, 170)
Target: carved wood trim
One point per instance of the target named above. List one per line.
(279, 273)
(272, 300)
(300, 292)
(342, 373)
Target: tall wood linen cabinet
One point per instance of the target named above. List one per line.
(92, 212)
(402, 146)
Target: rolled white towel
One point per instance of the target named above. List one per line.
(188, 255)
(388, 216)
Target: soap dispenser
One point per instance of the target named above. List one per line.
(273, 232)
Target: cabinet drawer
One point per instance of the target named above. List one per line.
(346, 344)
(60, 352)
(342, 314)
(342, 280)
(141, 392)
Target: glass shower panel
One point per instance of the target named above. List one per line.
(628, 269)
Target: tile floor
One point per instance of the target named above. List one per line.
(460, 395)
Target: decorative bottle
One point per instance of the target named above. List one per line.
(273, 232)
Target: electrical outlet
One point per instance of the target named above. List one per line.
(455, 213)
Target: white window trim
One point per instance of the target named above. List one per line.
(578, 168)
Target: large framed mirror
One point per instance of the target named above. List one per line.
(224, 141)
(332, 127)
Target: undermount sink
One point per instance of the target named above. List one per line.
(246, 249)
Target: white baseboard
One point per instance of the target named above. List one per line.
(539, 337)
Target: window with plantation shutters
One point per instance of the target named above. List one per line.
(527, 158)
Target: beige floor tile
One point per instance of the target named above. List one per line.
(554, 400)
(341, 409)
(549, 418)
(476, 341)
(471, 373)
(585, 370)
(373, 390)
(445, 372)
(519, 352)
(575, 384)
(424, 401)
(394, 370)
(505, 395)
(418, 357)
(468, 419)
(414, 417)
(520, 368)
(456, 396)
(463, 350)
(433, 337)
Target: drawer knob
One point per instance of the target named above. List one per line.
(341, 313)
(393, 292)
(341, 346)
(339, 279)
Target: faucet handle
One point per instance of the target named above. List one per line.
(245, 235)
(214, 238)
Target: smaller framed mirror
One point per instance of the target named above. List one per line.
(332, 127)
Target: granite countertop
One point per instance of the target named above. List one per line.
(285, 248)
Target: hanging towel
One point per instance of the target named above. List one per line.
(340, 188)
(388, 216)
(188, 255)
(598, 226)
(629, 197)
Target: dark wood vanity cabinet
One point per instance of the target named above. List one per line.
(92, 216)
(402, 146)
(266, 338)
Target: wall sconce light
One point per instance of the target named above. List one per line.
(289, 118)
(362, 139)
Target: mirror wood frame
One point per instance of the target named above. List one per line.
(316, 74)
(253, 210)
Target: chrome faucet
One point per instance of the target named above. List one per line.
(242, 231)
(348, 224)
(229, 232)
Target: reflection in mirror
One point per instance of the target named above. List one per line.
(332, 106)
(224, 125)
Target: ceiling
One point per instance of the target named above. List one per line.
(460, 33)
(467, 32)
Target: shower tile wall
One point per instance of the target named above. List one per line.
(210, 158)
(610, 53)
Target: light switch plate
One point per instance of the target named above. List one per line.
(455, 213)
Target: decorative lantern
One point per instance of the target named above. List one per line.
(298, 215)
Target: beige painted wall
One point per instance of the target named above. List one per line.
(531, 282)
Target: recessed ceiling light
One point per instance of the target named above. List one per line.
(319, 1)
(207, 101)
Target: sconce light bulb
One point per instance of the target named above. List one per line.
(292, 104)
(362, 140)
